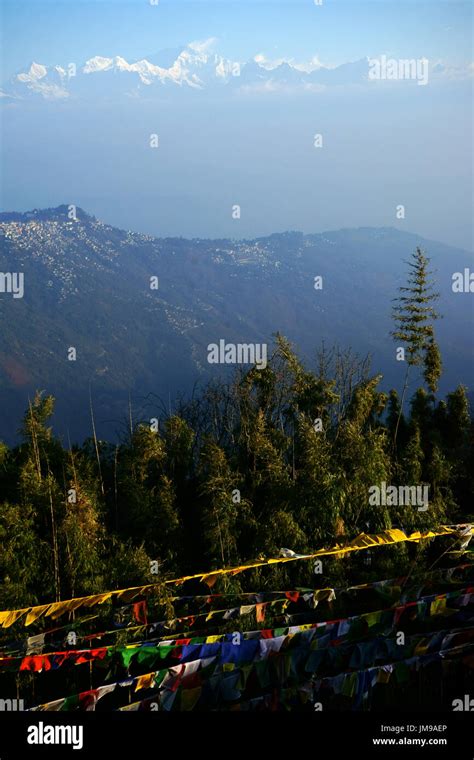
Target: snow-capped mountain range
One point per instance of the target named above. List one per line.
(195, 67)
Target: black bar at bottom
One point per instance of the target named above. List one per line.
(338, 735)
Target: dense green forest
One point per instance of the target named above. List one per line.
(278, 457)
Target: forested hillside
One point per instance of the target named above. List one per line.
(239, 472)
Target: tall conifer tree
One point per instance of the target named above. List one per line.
(414, 314)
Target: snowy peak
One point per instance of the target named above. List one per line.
(193, 67)
(145, 70)
(196, 67)
(98, 63)
(39, 80)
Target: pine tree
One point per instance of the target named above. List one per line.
(458, 444)
(458, 420)
(433, 366)
(413, 315)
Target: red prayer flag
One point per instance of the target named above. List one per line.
(139, 612)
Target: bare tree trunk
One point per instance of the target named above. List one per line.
(34, 441)
(402, 401)
(96, 444)
(220, 536)
(57, 584)
(73, 464)
(130, 419)
(115, 487)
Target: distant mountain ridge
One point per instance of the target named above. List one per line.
(87, 286)
(194, 68)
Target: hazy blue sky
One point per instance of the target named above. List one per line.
(51, 31)
(387, 146)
